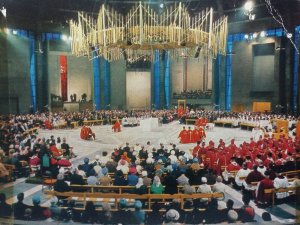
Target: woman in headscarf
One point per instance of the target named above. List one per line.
(140, 188)
(156, 187)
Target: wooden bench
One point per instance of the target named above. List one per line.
(273, 191)
(99, 188)
(292, 173)
(223, 123)
(247, 126)
(106, 197)
(92, 122)
(31, 131)
(11, 169)
(60, 126)
(74, 124)
(112, 121)
(190, 120)
(289, 180)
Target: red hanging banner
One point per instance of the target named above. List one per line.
(64, 77)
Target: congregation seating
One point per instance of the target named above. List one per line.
(291, 190)
(112, 194)
(11, 170)
(106, 189)
(247, 126)
(190, 121)
(223, 124)
(31, 131)
(92, 122)
(148, 198)
(197, 94)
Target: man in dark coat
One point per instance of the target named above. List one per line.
(19, 207)
(60, 185)
(171, 184)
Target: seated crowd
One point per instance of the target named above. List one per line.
(167, 170)
(196, 94)
(251, 167)
(266, 120)
(50, 120)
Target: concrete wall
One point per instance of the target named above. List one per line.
(14, 74)
(79, 75)
(15, 81)
(243, 79)
(118, 84)
(3, 74)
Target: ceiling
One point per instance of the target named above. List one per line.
(47, 13)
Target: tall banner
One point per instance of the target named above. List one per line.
(63, 77)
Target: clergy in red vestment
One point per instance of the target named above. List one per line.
(202, 134)
(190, 132)
(86, 133)
(266, 183)
(210, 156)
(249, 162)
(199, 122)
(233, 166)
(48, 125)
(253, 176)
(180, 112)
(202, 152)
(268, 160)
(196, 149)
(195, 135)
(55, 152)
(184, 136)
(83, 133)
(117, 126)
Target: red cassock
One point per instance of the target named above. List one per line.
(196, 150)
(48, 125)
(184, 137)
(190, 140)
(250, 165)
(90, 133)
(195, 136)
(222, 161)
(267, 162)
(83, 133)
(233, 167)
(55, 151)
(117, 126)
(202, 153)
(210, 158)
(199, 122)
(261, 196)
(86, 133)
(201, 134)
(180, 112)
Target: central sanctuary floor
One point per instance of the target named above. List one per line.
(106, 140)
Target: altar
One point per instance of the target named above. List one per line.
(149, 124)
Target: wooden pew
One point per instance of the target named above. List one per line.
(292, 173)
(247, 126)
(92, 122)
(223, 123)
(60, 126)
(190, 120)
(273, 191)
(105, 197)
(11, 169)
(99, 188)
(31, 131)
